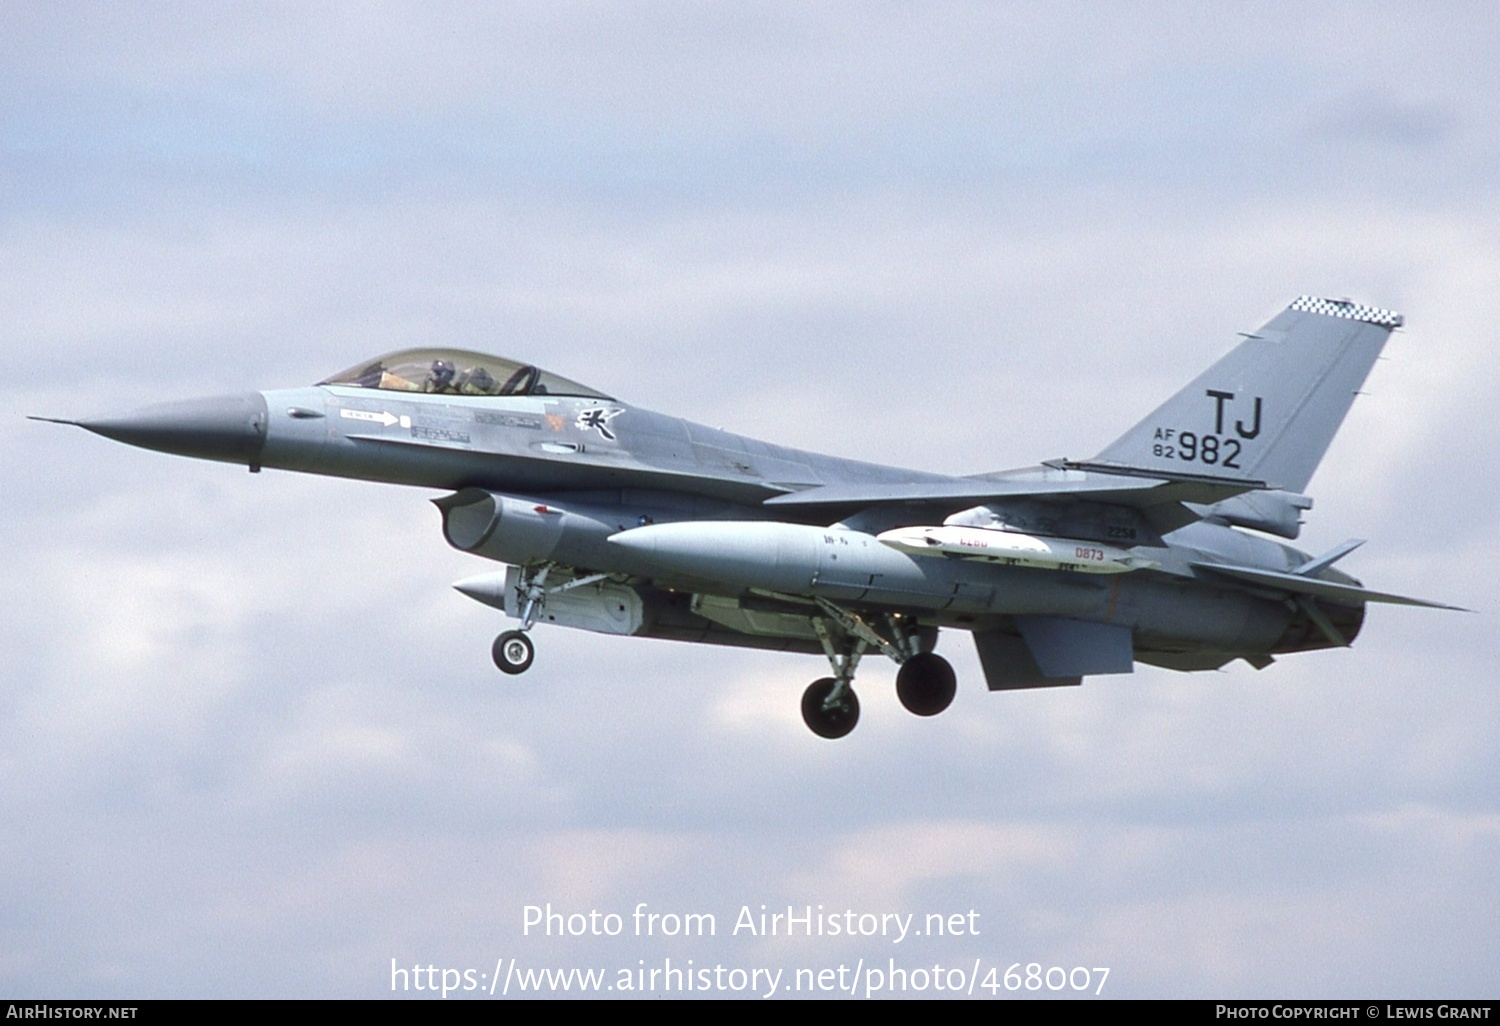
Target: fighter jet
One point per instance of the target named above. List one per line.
(1160, 549)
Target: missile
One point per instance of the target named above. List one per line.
(1011, 548)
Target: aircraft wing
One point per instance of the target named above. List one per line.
(1348, 594)
(1060, 481)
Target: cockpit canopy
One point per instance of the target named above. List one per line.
(457, 372)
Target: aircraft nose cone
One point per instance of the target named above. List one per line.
(231, 428)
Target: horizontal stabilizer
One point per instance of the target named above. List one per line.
(1296, 584)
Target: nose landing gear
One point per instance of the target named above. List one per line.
(513, 651)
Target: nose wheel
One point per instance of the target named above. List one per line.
(513, 652)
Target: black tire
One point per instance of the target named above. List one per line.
(926, 684)
(830, 723)
(513, 652)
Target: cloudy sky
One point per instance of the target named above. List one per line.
(251, 743)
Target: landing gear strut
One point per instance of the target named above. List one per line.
(830, 708)
(513, 650)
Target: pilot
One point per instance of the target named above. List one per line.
(440, 377)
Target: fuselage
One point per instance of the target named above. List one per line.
(532, 444)
(601, 467)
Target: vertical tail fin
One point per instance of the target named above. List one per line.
(1269, 409)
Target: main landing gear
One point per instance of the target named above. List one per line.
(925, 684)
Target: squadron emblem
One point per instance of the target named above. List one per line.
(598, 418)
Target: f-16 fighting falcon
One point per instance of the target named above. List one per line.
(615, 519)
